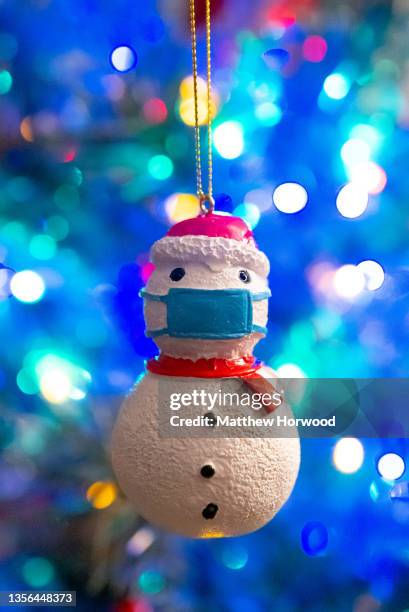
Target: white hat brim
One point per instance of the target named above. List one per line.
(187, 249)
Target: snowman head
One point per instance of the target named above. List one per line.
(207, 296)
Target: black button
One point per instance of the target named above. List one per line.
(207, 471)
(210, 511)
(211, 419)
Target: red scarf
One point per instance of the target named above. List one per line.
(242, 367)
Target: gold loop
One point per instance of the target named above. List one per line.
(196, 105)
(209, 207)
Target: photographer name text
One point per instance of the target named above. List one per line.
(249, 421)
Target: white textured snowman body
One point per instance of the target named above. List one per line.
(201, 486)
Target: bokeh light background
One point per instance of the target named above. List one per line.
(311, 116)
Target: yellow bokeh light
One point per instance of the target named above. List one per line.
(55, 386)
(186, 87)
(187, 105)
(187, 110)
(102, 494)
(60, 380)
(26, 129)
(180, 206)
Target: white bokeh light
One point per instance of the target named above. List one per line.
(352, 201)
(369, 176)
(228, 139)
(391, 466)
(373, 273)
(348, 455)
(348, 282)
(290, 198)
(27, 286)
(336, 86)
(123, 58)
(293, 380)
(290, 370)
(355, 151)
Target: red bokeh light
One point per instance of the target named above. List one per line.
(155, 111)
(146, 271)
(133, 605)
(281, 15)
(314, 48)
(69, 155)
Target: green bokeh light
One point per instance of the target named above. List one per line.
(327, 323)
(368, 133)
(66, 197)
(160, 167)
(6, 81)
(38, 572)
(268, 113)
(58, 227)
(151, 582)
(77, 176)
(31, 440)
(27, 382)
(177, 145)
(249, 212)
(383, 122)
(302, 336)
(42, 247)
(14, 231)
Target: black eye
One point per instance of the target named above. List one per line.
(177, 274)
(244, 276)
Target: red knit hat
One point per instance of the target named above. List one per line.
(211, 237)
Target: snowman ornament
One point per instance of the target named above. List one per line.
(205, 307)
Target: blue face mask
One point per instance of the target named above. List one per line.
(208, 314)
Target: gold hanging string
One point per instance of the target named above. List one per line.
(206, 199)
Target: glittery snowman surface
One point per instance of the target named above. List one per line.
(201, 486)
